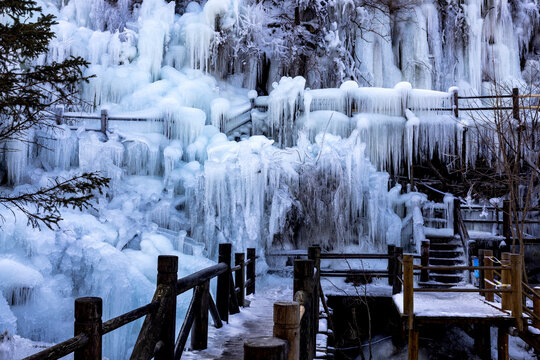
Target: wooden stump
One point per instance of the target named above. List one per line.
(265, 348)
(287, 326)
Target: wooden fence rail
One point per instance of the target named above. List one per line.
(157, 336)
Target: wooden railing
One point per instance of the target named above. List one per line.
(508, 285)
(308, 291)
(227, 125)
(157, 336)
(506, 221)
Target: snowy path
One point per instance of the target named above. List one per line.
(257, 320)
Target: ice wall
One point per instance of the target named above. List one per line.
(254, 194)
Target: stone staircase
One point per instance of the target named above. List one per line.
(445, 251)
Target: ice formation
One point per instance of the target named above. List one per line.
(180, 186)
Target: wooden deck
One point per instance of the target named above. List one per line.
(456, 308)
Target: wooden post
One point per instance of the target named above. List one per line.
(265, 348)
(456, 210)
(104, 121)
(287, 326)
(424, 261)
(398, 270)
(517, 292)
(506, 221)
(488, 274)
(240, 277)
(88, 311)
(502, 343)
(250, 271)
(481, 278)
(59, 115)
(413, 344)
(408, 296)
(314, 253)
(303, 293)
(234, 308)
(515, 103)
(199, 330)
(536, 306)
(482, 340)
(455, 100)
(391, 264)
(168, 276)
(223, 282)
(505, 279)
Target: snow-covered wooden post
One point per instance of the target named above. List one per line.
(223, 282)
(455, 101)
(488, 274)
(517, 291)
(424, 261)
(505, 279)
(287, 326)
(88, 311)
(104, 121)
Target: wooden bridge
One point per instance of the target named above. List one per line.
(505, 302)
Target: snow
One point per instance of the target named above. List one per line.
(451, 305)
(316, 169)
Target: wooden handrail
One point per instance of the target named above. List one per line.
(189, 282)
(152, 340)
(128, 317)
(458, 267)
(60, 350)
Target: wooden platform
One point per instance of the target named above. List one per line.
(256, 320)
(456, 308)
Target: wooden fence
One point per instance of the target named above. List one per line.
(228, 124)
(157, 336)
